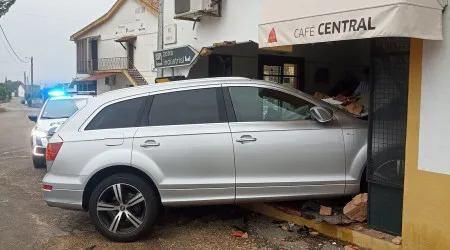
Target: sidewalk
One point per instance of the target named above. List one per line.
(355, 234)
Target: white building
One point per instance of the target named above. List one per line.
(21, 91)
(116, 50)
(105, 47)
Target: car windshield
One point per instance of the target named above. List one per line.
(58, 109)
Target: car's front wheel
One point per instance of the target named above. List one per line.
(123, 207)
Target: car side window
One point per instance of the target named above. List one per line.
(252, 104)
(197, 106)
(125, 114)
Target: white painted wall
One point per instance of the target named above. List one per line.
(21, 91)
(102, 87)
(121, 82)
(238, 22)
(132, 19)
(434, 133)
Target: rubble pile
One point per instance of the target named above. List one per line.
(356, 105)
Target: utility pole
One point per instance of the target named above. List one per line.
(32, 81)
(160, 40)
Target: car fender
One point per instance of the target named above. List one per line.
(112, 157)
(146, 164)
(358, 165)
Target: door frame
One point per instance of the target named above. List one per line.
(130, 53)
(94, 54)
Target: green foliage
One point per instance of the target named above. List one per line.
(5, 5)
(5, 94)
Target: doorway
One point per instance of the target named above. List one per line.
(94, 54)
(130, 53)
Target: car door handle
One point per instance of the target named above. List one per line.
(150, 143)
(246, 138)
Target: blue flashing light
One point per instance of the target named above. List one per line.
(56, 93)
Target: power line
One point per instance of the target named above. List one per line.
(10, 45)
(9, 52)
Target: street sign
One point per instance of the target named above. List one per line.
(175, 57)
(170, 34)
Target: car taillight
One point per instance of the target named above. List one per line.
(52, 151)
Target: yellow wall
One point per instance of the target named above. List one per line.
(426, 205)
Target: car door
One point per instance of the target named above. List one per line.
(187, 147)
(280, 151)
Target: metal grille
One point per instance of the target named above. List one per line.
(388, 111)
(387, 133)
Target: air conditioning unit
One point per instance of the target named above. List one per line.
(193, 10)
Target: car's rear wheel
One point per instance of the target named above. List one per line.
(39, 162)
(123, 207)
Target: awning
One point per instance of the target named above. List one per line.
(97, 76)
(289, 22)
(126, 39)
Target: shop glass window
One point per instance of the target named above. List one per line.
(259, 104)
(285, 74)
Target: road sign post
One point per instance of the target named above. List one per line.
(175, 57)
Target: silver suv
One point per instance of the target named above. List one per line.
(198, 142)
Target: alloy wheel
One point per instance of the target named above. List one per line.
(121, 208)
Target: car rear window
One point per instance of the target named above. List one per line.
(125, 114)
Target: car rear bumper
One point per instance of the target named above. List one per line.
(66, 192)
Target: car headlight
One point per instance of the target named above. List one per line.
(40, 133)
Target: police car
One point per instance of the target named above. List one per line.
(54, 113)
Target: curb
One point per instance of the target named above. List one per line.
(342, 233)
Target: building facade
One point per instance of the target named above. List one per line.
(312, 48)
(427, 177)
(417, 74)
(116, 50)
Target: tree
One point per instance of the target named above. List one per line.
(5, 5)
(5, 94)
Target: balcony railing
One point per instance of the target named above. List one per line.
(113, 63)
(110, 63)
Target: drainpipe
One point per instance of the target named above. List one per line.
(160, 31)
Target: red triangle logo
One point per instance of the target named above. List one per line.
(272, 36)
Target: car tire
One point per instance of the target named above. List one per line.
(113, 212)
(39, 162)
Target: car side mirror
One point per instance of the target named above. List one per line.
(32, 118)
(321, 114)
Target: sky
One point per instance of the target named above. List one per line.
(42, 29)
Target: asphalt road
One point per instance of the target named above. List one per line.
(26, 222)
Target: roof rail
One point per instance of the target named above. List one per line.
(211, 79)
